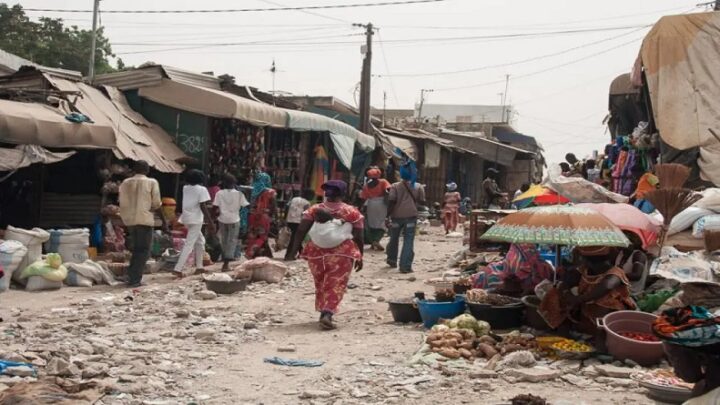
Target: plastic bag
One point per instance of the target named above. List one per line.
(262, 269)
(75, 279)
(12, 254)
(331, 233)
(283, 239)
(706, 223)
(43, 269)
(38, 283)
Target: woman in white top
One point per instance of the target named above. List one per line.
(194, 213)
(229, 202)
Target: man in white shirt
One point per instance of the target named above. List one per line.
(139, 201)
(229, 202)
(194, 214)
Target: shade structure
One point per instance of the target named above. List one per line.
(629, 218)
(558, 225)
(539, 195)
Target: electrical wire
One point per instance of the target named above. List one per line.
(537, 72)
(387, 69)
(522, 61)
(327, 17)
(241, 10)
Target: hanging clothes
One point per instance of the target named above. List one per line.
(321, 170)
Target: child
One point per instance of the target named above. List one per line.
(229, 202)
(296, 207)
(194, 214)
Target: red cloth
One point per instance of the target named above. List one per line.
(331, 268)
(259, 223)
(378, 191)
(331, 275)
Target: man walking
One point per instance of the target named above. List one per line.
(403, 199)
(139, 201)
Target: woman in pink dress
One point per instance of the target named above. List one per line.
(451, 207)
(331, 267)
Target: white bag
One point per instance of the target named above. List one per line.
(39, 283)
(686, 219)
(12, 254)
(330, 234)
(72, 244)
(32, 239)
(706, 223)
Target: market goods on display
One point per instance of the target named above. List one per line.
(445, 295)
(572, 346)
(480, 296)
(662, 378)
(465, 337)
(639, 336)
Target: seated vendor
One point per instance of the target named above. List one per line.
(691, 338)
(601, 289)
(517, 273)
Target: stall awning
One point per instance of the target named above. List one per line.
(40, 124)
(136, 138)
(487, 149)
(26, 155)
(214, 103)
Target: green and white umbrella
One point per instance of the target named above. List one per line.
(557, 225)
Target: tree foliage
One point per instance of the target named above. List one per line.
(50, 42)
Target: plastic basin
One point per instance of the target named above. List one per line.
(405, 312)
(532, 315)
(431, 312)
(499, 317)
(622, 348)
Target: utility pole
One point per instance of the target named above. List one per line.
(273, 70)
(422, 101)
(91, 69)
(365, 78)
(504, 98)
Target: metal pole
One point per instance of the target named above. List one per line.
(93, 41)
(365, 79)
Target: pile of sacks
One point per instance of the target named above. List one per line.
(66, 261)
(701, 217)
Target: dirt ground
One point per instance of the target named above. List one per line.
(162, 344)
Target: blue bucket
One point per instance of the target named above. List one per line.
(431, 311)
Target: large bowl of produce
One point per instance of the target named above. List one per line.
(501, 311)
(572, 350)
(630, 336)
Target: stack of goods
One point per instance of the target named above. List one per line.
(480, 296)
(71, 244)
(460, 337)
(45, 274)
(236, 148)
(12, 254)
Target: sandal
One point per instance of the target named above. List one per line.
(326, 322)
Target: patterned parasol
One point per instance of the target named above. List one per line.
(557, 225)
(539, 195)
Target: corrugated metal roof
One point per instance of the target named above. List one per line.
(11, 63)
(150, 74)
(486, 148)
(506, 133)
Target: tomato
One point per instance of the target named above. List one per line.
(640, 336)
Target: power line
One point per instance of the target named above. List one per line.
(537, 72)
(327, 17)
(240, 10)
(387, 69)
(412, 40)
(518, 62)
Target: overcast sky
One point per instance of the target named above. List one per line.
(560, 96)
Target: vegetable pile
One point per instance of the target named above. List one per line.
(639, 336)
(572, 346)
(466, 337)
(527, 399)
(479, 296)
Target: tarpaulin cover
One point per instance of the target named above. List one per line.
(214, 103)
(25, 155)
(307, 121)
(39, 124)
(681, 58)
